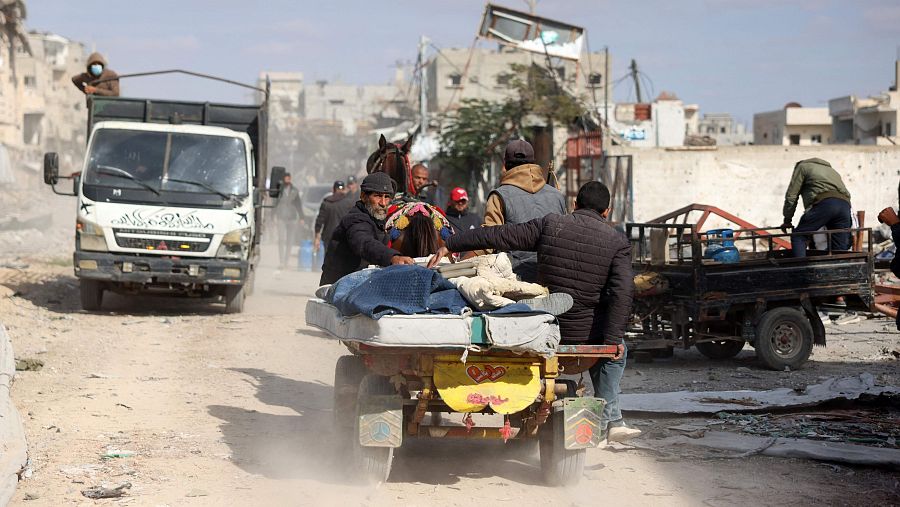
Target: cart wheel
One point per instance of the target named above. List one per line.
(784, 337)
(559, 466)
(91, 295)
(720, 349)
(374, 463)
(348, 373)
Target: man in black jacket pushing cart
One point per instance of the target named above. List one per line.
(579, 254)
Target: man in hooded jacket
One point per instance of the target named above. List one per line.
(97, 71)
(523, 195)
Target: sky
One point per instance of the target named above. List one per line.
(736, 56)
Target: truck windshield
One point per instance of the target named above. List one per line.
(167, 167)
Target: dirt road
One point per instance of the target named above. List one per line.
(236, 410)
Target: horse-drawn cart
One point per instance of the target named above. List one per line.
(404, 367)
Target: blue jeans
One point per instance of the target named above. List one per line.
(831, 213)
(606, 375)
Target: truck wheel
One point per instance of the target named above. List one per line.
(720, 349)
(373, 463)
(91, 295)
(784, 337)
(234, 299)
(559, 466)
(348, 373)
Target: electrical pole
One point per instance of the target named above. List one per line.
(423, 87)
(606, 85)
(637, 81)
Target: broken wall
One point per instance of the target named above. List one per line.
(750, 181)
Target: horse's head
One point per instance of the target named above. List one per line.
(418, 229)
(393, 159)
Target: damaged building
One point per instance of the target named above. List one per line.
(40, 110)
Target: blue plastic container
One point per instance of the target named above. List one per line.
(720, 246)
(305, 259)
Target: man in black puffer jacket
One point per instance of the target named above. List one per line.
(581, 255)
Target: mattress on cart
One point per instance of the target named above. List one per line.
(522, 333)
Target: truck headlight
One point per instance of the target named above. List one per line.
(90, 236)
(235, 244)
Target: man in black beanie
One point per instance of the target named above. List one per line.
(359, 240)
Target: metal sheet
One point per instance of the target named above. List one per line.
(381, 421)
(582, 422)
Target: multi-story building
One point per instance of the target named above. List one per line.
(724, 129)
(40, 109)
(872, 120)
(793, 125)
(452, 76)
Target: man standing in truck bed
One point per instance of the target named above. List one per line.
(97, 71)
(826, 202)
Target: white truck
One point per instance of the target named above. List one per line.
(170, 199)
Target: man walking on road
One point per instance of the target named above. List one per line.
(360, 239)
(826, 202)
(523, 195)
(331, 211)
(288, 218)
(583, 256)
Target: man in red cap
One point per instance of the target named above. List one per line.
(458, 211)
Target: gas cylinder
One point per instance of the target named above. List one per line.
(720, 246)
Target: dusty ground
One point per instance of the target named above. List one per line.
(236, 410)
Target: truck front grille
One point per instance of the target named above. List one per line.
(152, 240)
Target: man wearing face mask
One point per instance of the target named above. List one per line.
(97, 71)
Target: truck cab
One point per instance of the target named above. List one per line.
(168, 200)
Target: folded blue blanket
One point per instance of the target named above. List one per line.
(395, 290)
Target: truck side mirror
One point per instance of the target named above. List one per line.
(276, 181)
(51, 168)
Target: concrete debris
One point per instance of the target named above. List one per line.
(98, 492)
(748, 445)
(872, 428)
(686, 402)
(29, 364)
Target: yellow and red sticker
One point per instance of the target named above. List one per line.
(507, 387)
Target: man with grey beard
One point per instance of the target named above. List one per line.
(360, 240)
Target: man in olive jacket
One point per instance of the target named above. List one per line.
(826, 202)
(581, 255)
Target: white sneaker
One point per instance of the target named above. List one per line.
(622, 433)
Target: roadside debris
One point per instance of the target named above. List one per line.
(747, 445)
(686, 402)
(118, 453)
(98, 492)
(29, 364)
(852, 426)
